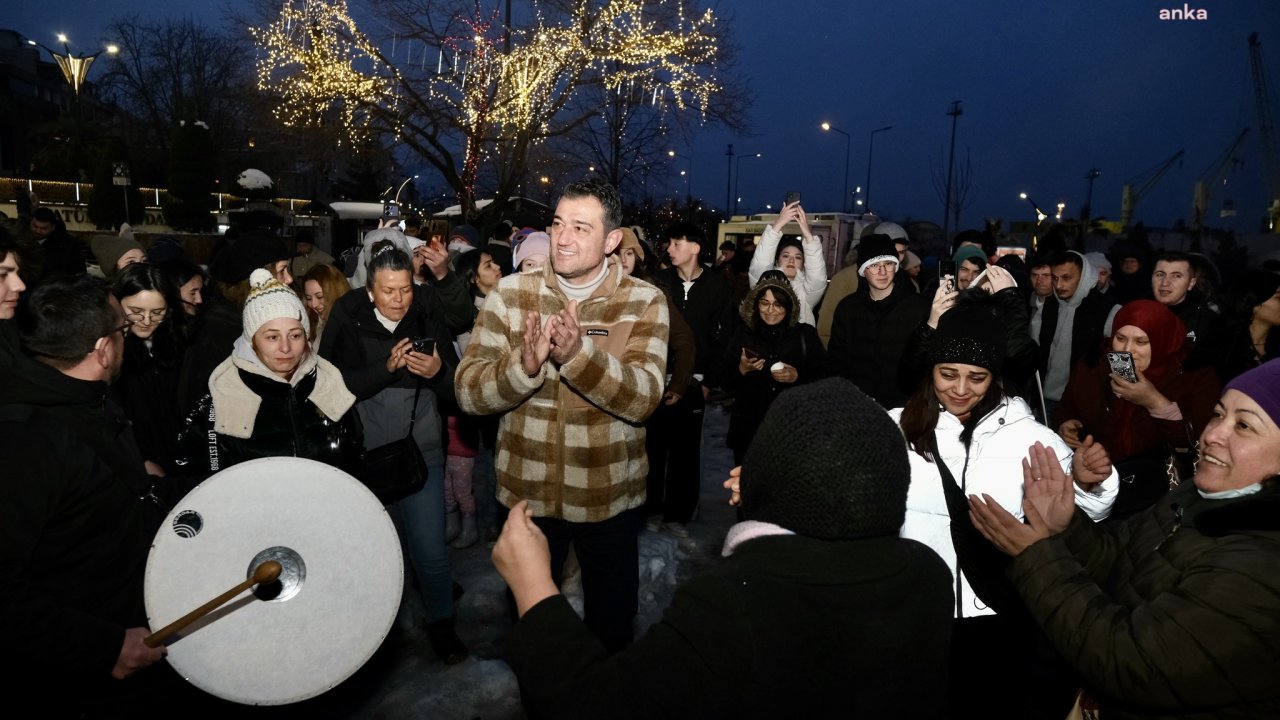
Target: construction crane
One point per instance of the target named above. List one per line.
(1267, 130)
(1212, 177)
(1144, 181)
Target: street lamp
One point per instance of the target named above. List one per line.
(738, 177)
(844, 202)
(871, 146)
(688, 176)
(1041, 216)
(74, 68)
(406, 182)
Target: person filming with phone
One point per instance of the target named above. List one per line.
(1141, 402)
(800, 260)
(393, 346)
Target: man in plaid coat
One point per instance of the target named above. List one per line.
(575, 356)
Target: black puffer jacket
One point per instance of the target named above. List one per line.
(868, 338)
(288, 424)
(1173, 613)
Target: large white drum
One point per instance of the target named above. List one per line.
(301, 635)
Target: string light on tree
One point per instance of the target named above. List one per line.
(493, 98)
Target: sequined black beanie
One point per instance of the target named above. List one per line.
(970, 333)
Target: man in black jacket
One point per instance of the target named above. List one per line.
(77, 508)
(871, 327)
(703, 298)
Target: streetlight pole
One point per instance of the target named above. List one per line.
(844, 202)
(738, 177)
(728, 173)
(955, 112)
(1087, 210)
(689, 176)
(1040, 217)
(866, 197)
(406, 182)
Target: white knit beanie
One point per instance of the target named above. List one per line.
(268, 300)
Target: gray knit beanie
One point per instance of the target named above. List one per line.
(827, 462)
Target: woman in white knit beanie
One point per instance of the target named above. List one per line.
(273, 396)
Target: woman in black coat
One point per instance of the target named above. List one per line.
(392, 343)
(768, 354)
(153, 351)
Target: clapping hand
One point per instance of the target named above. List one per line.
(1048, 503)
(1091, 463)
(536, 346)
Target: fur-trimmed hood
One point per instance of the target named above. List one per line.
(747, 310)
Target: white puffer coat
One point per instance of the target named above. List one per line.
(999, 444)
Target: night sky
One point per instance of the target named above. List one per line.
(1049, 89)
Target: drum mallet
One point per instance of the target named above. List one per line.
(264, 573)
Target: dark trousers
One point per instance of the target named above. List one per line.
(673, 443)
(609, 555)
(1034, 683)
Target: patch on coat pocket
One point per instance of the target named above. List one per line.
(598, 331)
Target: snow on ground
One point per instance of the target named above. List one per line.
(404, 679)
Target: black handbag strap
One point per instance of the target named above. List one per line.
(982, 563)
(413, 414)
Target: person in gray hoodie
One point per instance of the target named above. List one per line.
(1073, 327)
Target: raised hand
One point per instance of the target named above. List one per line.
(1047, 490)
(536, 346)
(564, 334)
(944, 298)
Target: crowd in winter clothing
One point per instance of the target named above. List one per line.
(1057, 467)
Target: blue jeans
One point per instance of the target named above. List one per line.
(420, 518)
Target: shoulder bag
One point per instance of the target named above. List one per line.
(396, 470)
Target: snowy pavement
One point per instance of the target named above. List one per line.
(405, 680)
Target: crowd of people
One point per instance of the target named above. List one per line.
(1051, 470)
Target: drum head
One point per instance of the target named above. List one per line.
(293, 639)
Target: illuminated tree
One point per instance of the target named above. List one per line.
(463, 92)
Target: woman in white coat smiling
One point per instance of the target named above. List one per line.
(967, 437)
(801, 262)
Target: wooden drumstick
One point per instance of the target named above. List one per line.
(264, 573)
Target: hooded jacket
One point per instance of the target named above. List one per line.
(791, 342)
(1072, 329)
(77, 516)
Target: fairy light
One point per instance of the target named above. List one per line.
(310, 60)
(318, 62)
